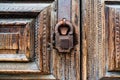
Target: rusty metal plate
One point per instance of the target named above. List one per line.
(64, 44)
(64, 9)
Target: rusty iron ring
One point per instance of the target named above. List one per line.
(64, 22)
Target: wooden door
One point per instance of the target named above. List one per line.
(101, 40)
(27, 48)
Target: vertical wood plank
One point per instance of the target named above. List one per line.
(76, 52)
(111, 52)
(44, 37)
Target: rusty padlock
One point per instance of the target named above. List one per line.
(64, 36)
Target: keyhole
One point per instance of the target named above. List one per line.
(64, 29)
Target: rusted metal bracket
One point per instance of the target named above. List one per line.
(64, 29)
(64, 9)
(64, 36)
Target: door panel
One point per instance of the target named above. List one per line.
(16, 39)
(19, 39)
(112, 25)
(27, 48)
(101, 54)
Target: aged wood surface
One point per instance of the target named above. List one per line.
(22, 7)
(43, 44)
(112, 22)
(100, 40)
(16, 38)
(24, 47)
(28, 29)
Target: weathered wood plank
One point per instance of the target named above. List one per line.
(44, 37)
(22, 7)
(100, 40)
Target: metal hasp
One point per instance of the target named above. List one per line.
(64, 36)
(64, 9)
(64, 29)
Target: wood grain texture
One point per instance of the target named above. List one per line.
(93, 47)
(22, 7)
(44, 40)
(37, 42)
(100, 39)
(25, 52)
(9, 41)
(16, 38)
(113, 37)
